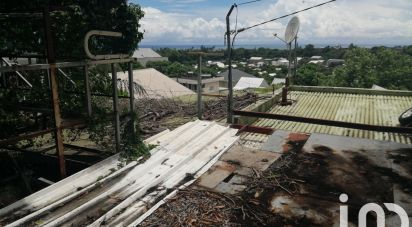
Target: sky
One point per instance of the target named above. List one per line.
(202, 22)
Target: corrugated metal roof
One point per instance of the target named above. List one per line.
(358, 108)
(249, 82)
(156, 84)
(110, 195)
(146, 53)
(236, 75)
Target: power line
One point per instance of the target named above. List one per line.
(244, 3)
(287, 15)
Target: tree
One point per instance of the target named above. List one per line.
(309, 75)
(309, 51)
(70, 21)
(69, 26)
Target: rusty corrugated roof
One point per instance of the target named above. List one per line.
(358, 108)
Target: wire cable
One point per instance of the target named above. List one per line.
(287, 15)
(244, 3)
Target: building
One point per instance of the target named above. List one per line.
(209, 84)
(249, 82)
(278, 81)
(156, 84)
(334, 62)
(236, 75)
(145, 55)
(217, 63)
(281, 62)
(255, 59)
(316, 57)
(316, 62)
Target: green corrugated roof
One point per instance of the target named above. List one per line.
(358, 108)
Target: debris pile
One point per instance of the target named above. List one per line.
(195, 208)
(157, 115)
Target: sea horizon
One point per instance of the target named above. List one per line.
(256, 46)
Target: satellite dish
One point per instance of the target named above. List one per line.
(292, 29)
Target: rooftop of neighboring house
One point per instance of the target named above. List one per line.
(236, 75)
(249, 82)
(156, 84)
(146, 53)
(193, 80)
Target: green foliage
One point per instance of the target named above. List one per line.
(382, 66)
(23, 35)
(309, 75)
(132, 145)
(69, 26)
(172, 69)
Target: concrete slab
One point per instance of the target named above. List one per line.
(220, 171)
(229, 188)
(246, 157)
(278, 141)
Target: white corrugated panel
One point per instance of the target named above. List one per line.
(248, 82)
(123, 196)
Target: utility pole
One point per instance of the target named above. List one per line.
(229, 55)
(199, 79)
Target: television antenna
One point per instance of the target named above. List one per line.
(291, 35)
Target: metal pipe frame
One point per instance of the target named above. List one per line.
(199, 89)
(253, 129)
(51, 59)
(230, 80)
(342, 124)
(101, 33)
(88, 92)
(116, 108)
(131, 97)
(34, 67)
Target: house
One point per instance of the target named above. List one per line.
(236, 75)
(145, 55)
(281, 62)
(316, 57)
(255, 59)
(316, 62)
(209, 84)
(260, 64)
(278, 81)
(156, 84)
(217, 63)
(377, 87)
(334, 62)
(249, 82)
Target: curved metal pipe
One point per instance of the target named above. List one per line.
(101, 33)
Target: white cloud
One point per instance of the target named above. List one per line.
(359, 21)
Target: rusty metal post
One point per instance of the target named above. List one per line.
(115, 108)
(51, 58)
(88, 92)
(230, 80)
(199, 89)
(131, 95)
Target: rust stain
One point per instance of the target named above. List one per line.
(295, 137)
(226, 166)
